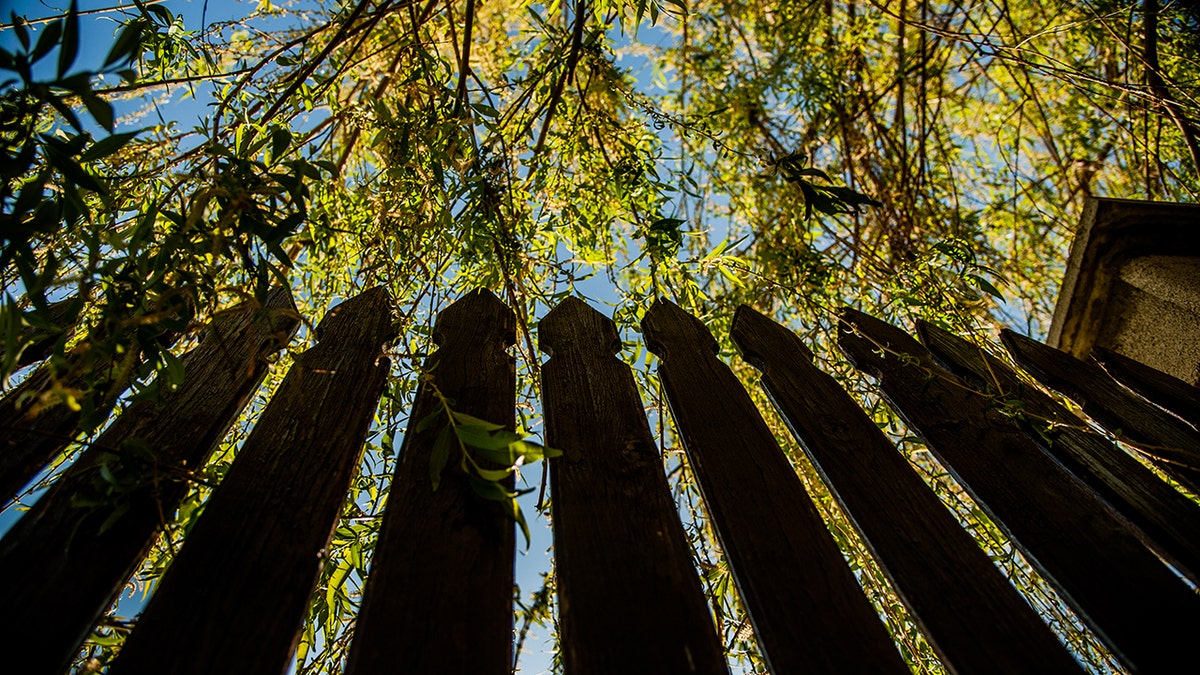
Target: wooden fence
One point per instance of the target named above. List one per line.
(1095, 522)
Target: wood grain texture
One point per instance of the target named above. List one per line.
(1169, 519)
(1169, 392)
(808, 611)
(438, 597)
(973, 617)
(260, 542)
(1172, 442)
(628, 591)
(1147, 614)
(58, 571)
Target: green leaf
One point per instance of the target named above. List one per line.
(986, 286)
(336, 580)
(70, 169)
(956, 249)
(175, 370)
(162, 13)
(47, 40)
(478, 437)
(69, 48)
(281, 138)
(128, 42)
(429, 420)
(111, 640)
(107, 146)
(533, 452)
(504, 456)
(520, 518)
(486, 110)
(440, 456)
(100, 110)
(493, 475)
(18, 24)
(468, 420)
(113, 517)
(489, 490)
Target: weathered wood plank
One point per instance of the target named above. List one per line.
(1169, 392)
(1169, 440)
(808, 611)
(972, 615)
(1171, 520)
(628, 592)
(1147, 614)
(64, 562)
(259, 543)
(443, 567)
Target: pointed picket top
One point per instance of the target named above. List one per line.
(272, 323)
(973, 617)
(479, 310)
(364, 319)
(864, 339)
(1170, 519)
(1119, 410)
(951, 348)
(1072, 537)
(967, 359)
(280, 297)
(768, 526)
(1168, 391)
(1048, 364)
(624, 566)
(576, 325)
(755, 334)
(666, 324)
(406, 623)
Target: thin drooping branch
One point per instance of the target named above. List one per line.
(464, 65)
(568, 71)
(1158, 85)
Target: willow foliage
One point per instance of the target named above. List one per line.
(913, 158)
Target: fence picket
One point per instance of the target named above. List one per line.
(808, 611)
(1170, 441)
(259, 541)
(628, 592)
(1146, 613)
(1171, 520)
(972, 615)
(31, 438)
(438, 597)
(42, 338)
(62, 563)
(1169, 392)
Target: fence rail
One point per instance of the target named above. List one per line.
(1090, 517)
